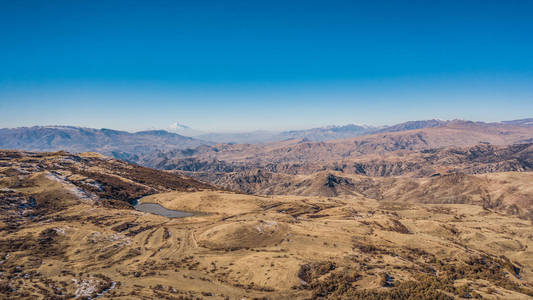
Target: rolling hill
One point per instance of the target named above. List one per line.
(68, 230)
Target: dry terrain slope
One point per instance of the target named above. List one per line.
(68, 230)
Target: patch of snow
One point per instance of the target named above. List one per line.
(94, 184)
(88, 287)
(268, 225)
(78, 193)
(85, 288)
(61, 230)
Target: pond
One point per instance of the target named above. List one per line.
(156, 209)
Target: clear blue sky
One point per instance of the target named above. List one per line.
(243, 65)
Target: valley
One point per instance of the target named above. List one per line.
(69, 230)
(439, 212)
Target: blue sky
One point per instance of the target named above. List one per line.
(245, 65)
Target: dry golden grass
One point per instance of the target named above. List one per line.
(242, 246)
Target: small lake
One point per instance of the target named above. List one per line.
(156, 209)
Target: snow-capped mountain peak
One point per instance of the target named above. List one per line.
(178, 126)
(182, 129)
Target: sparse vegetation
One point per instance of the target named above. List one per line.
(59, 242)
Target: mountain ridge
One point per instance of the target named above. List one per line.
(303, 145)
(82, 139)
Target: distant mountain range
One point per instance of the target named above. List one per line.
(120, 144)
(411, 125)
(522, 122)
(318, 134)
(264, 136)
(136, 146)
(420, 149)
(300, 153)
